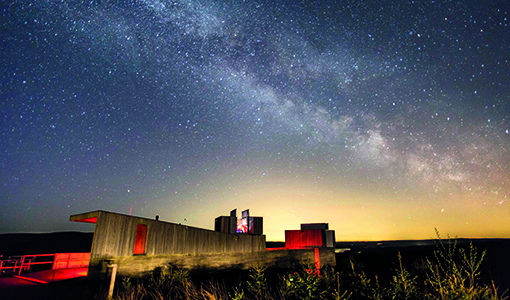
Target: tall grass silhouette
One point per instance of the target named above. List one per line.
(452, 272)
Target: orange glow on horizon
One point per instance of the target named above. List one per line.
(355, 215)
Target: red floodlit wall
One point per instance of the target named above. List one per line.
(71, 260)
(141, 239)
(298, 239)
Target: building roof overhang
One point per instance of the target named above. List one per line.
(89, 217)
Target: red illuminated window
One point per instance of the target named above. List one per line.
(141, 239)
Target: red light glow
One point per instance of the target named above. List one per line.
(89, 220)
(299, 239)
(140, 239)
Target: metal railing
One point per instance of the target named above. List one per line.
(14, 265)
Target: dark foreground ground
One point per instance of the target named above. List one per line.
(375, 258)
(381, 258)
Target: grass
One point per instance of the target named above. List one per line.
(452, 272)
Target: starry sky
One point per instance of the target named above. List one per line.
(385, 119)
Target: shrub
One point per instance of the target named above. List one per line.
(453, 273)
(308, 283)
(403, 285)
(360, 285)
(257, 285)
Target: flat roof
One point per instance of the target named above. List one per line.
(89, 217)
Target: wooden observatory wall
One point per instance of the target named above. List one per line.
(115, 238)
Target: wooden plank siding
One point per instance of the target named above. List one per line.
(115, 234)
(296, 239)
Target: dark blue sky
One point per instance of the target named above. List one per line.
(383, 119)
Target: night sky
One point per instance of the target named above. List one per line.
(384, 119)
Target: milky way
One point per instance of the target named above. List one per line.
(384, 120)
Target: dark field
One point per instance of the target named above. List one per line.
(374, 258)
(45, 243)
(381, 258)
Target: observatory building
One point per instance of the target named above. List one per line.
(138, 245)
